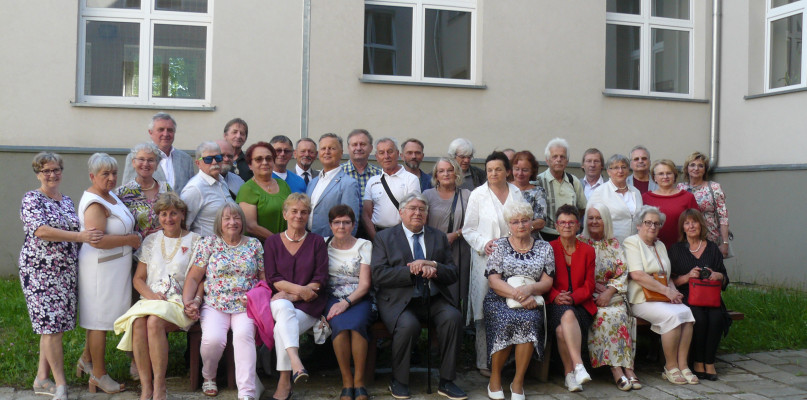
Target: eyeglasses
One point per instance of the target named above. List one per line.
(640, 159)
(55, 171)
(699, 166)
(520, 222)
(416, 209)
(652, 224)
(618, 168)
(566, 223)
(209, 159)
(342, 222)
(284, 151)
(260, 160)
(146, 160)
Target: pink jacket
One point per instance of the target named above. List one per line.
(258, 299)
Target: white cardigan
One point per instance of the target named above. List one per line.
(621, 217)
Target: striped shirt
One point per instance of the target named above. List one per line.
(567, 191)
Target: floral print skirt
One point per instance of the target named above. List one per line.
(611, 338)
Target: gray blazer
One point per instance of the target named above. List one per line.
(391, 277)
(183, 170)
(341, 190)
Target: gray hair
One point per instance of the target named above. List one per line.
(556, 142)
(101, 162)
(333, 136)
(607, 221)
(617, 158)
(46, 157)
(282, 139)
(649, 210)
(517, 209)
(639, 147)
(162, 115)
(305, 139)
(228, 205)
(206, 146)
(412, 197)
(460, 146)
(459, 175)
(355, 132)
(388, 139)
(148, 147)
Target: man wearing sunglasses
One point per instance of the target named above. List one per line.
(206, 192)
(176, 166)
(284, 151)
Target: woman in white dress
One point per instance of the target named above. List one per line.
(484, 223)
(105, 268)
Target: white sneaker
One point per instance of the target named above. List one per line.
(581, 375)
(572, 384)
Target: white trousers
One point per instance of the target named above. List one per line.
(289, 324)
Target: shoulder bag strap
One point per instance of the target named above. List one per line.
(453, 209)
(389, 192)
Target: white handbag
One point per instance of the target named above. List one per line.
(521, 280)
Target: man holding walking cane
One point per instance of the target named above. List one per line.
(412, 269)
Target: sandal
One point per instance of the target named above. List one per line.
(83, 367)
(635, 384)
(674, 376)
(209, 388)
(359, 392)
(689, 376)
(46, 387)
(105, 383)
(61, 393)
(623, 384)
(346, 392)
(300, 376)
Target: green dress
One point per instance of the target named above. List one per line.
(270, 205)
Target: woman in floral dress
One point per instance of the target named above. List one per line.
(610, 338)
(49, 268)
(140, 193)
(710, 198)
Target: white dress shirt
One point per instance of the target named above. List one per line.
(325, 178)
(204, 195)
(589, 188)
(167, 164)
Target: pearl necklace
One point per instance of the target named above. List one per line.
(153, 184)
(170, 257)
(700, 242)
(286, 234)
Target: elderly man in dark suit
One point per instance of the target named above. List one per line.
(412, 268)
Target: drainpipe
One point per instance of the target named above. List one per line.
(714, 127)
(306, 76)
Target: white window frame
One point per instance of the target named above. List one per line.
(418, 37)
(647, 23)
(775, 14)
(147, 16)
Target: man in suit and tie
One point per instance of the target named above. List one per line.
(332, 187)
(412, 269)
(176, 166)
(305, 155)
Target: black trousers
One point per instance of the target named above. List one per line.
(446, 321)
(706, 333)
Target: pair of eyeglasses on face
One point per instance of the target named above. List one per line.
(261, 160)
(413, 210)
(284, 151)
(652, 224)
(209, 159)
(55, 171)
(146, 160)
(566, 223)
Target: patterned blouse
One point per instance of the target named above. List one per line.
(537, 199)
(146, 221)
(344, 267)
(231, 271)
(706, 202)
(610, 263)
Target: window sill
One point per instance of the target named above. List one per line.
(145, 106)
(414, 83)
(761, 95)
(645, 97)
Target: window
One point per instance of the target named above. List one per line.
(785, 64)
(420, 41)
(648, 47)
(145, 52)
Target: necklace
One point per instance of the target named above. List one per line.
(520, 249)
(286, 233)
(700, 242)
(566, 252)
(619, 189)
(153, 184)
(170, 257)
(232, 245)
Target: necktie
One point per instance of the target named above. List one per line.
(305, 177)
(417, 251)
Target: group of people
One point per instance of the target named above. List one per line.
(250, 245)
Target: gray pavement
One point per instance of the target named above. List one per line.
(768, 375)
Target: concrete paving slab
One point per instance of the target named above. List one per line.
(732, 357)
(742, 377)
(755, 366)
(785, 377)
(769, 358)
(751, 396)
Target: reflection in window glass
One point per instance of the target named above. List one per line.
(678, 9)
(111, 62)
(387, 40)
(179, 61)
(447, 44)
(622, 57)
(669, 61)
(785, 68)
(199, 6)
(624, 6)
(113, 4)
(779, 3)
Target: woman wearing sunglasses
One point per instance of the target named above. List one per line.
(262, 197)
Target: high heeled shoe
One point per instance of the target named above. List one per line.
(105, 383)
(45, 386)
(61, 393)
(83, 367)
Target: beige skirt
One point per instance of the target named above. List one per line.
(663, 317)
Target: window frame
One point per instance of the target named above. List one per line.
(775, 14)
(418, 41)
(646, 23)
(147, 17)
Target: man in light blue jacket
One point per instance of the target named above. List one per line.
(332, 187)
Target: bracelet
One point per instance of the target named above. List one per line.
(349, 303)
(725, 242)
(197, 299)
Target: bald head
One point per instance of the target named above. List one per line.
(228, 154)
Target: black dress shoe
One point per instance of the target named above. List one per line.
(450, 390)
(711, 377)
(399, 390)
(700, 375)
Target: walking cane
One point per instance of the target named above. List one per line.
(428, 337)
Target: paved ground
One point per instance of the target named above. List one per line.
(769, 375)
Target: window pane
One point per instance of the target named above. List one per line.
(113, 4)
(179, 61)
(199, 6)
(678, 9)
(785, 68)
(669, 61)
(622, 57)
(624, 6)
(447, 47)
(779, 3)
(387, 40)
(111, 61)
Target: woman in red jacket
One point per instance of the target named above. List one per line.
(571, 307)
